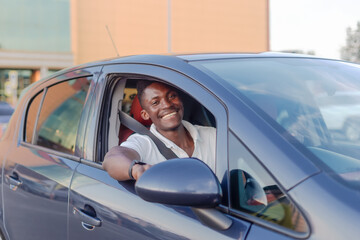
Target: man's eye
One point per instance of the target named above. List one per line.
(172, 96)
(154, 102)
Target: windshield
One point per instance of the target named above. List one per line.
(316, 101)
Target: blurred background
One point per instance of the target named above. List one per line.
(40, 37)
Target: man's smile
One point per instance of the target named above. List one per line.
(168, 115)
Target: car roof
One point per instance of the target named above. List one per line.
(173, 61)
(203, 56)
(146, 58)
(209, 56)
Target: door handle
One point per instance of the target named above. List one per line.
(14, 181)
(88, 222)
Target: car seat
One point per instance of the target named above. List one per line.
(135, 112)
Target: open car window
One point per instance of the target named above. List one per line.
(124, 98)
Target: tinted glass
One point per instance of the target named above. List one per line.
(315, 101)
(31, 117)
(60, 114)
(252, 190)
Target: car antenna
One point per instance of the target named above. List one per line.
(107, 28)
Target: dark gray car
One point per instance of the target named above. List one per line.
(280, 172)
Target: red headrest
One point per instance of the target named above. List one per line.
(136, 110)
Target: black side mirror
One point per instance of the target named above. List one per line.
(185, 182)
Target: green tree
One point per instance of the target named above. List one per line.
(351, 52)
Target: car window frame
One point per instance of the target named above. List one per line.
(41, 94)
(183, 82)
(91, 72)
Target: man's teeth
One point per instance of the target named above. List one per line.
(169, 115)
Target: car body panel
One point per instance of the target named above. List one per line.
(259, 232)
(110, 200)
(45, 179)
(332, 199)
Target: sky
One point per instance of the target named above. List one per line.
(312, 25)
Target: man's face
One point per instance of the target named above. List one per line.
(161, 103)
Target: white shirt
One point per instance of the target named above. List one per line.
(204, 145)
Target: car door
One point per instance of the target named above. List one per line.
(38, 169)
(103, 208)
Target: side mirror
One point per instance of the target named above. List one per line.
(185, 182)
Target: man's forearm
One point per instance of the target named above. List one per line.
(117, 163)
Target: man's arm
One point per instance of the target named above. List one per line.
(118, 160)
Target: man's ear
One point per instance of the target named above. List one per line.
(144, 115)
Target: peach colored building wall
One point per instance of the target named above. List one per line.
(167, 27)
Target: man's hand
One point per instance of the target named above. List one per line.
(117, 162)
(138, 170)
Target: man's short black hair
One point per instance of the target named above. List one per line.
(140, 86)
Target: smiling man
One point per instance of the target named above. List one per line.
(162, 104)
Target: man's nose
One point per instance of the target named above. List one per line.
(166, 103)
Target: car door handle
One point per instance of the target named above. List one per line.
(14, 181)
(88, 222)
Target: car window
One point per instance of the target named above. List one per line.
(194, 112)
(31, 116)
(60, 114)
(253, 191)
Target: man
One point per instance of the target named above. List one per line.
(162, 104)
